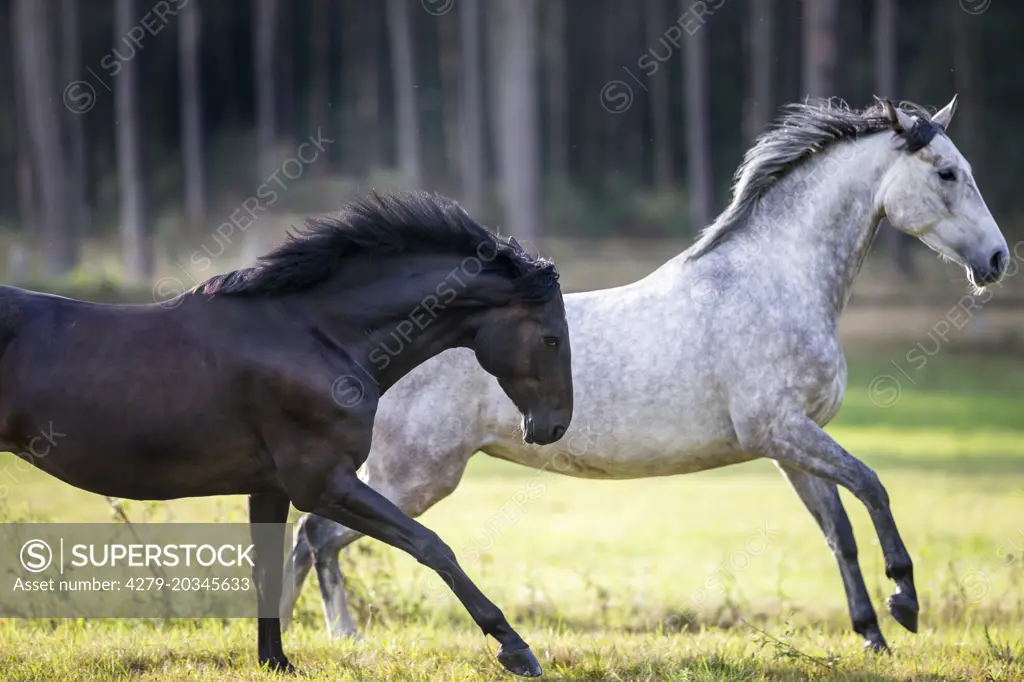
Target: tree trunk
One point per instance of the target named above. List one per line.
(319, 85)
(820, 47)
(449, 60)
(74, 131)
(284, 63)
(967, 82)
(28, 202)
(517, 114)
(762, 28)
(625, 137)
(34, 49)
(135, 231)
(555, 68)
(265, 48)
(402, 67)
(885, 48)
(661, 112)
(698, 143)
(361, 75)
(472, 164)
(191, 117)
(896, 243)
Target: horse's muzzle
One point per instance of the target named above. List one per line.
(992, 270)
(542, 436)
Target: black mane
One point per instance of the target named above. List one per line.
(388, 223)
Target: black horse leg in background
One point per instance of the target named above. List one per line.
(270, 512)
(363, 509)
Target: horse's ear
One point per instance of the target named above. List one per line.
(899, 120)
(944, 115)
(514, 244)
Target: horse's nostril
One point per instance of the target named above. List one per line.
(998, 261)
(558, 432)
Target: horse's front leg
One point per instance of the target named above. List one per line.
(793, 440)
(349, 501)
(268, 514)
(822, 499)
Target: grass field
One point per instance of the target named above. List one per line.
(715, 576)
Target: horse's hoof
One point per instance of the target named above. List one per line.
(876, 645)
(904, 610)
(279, 665)
(520, 662)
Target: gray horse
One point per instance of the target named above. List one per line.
(727, 353)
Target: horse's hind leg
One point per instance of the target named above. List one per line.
(296, 569)
(822, 499)
(794, 440)
(351, 502)
(268, 514)
(318, 541)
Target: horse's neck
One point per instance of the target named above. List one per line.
(816, 226)
(393, 319)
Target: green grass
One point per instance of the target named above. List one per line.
(715, 576)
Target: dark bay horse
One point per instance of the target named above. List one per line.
(265, 381)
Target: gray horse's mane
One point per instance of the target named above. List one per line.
(804, 129)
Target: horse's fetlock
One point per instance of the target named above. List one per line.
(900, 571)
(866, 625)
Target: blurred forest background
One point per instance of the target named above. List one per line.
(141, 137)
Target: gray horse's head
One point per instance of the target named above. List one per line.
(930, 193)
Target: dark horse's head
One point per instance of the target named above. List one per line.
(431, 263)
(525, 344)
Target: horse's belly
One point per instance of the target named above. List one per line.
(114, 446)
(641, 460)
(588, 451)
(144, 474)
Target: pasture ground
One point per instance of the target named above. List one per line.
(716, 576)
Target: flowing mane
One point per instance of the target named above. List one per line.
(384, 223)
(804, 129)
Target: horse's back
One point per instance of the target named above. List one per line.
(18, 306)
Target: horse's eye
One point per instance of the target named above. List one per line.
(947, 175)
(552, 341)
